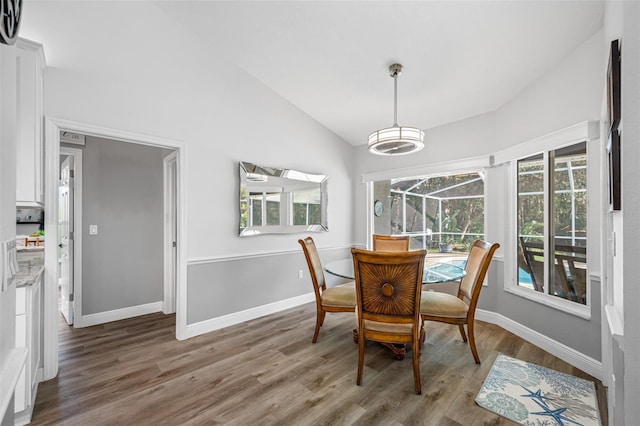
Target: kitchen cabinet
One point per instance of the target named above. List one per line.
(29, 335)
(30, 65)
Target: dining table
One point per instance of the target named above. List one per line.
(435, 271)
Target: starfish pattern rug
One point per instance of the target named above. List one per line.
(536, 396)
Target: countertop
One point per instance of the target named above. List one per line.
(31, 265)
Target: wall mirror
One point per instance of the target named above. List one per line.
(281, 201)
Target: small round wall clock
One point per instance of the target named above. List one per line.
(378, 208)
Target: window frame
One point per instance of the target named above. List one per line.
(463, 165)
(584, 132)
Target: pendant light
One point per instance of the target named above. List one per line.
(396, 140)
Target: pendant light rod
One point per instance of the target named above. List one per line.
(394, 71)
(395, 101)
(396, 140)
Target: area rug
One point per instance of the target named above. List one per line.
(533, 395)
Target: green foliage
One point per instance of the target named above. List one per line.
(243, 208)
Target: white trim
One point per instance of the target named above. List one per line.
(213, 324)
(50, 280)
(558, 303)
(53, 126)
(35, 47)
(614, 322)
(24, 417)
(581, 132)
(370, 196)
(169, 223)
(577, 359)
(210, 259)
(585, 131)
(113, 134)
(442, 168)
(77, 228)
(9, 376)
(118, 314)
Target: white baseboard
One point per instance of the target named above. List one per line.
(246, 315)
(117, 314)
(560, 350)
(24, 417)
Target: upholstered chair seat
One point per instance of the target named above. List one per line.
(385, 327)
(340, 296)
(443, 305)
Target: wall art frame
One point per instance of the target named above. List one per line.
(614, 109)
(615, 179)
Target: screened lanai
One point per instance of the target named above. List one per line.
(440, 213)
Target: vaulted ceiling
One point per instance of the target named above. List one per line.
(331, 58)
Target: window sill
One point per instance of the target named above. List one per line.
(565, 306)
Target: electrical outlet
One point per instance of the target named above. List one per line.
(300, 274)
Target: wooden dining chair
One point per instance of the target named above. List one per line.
(461, 310)
(388, 290)
(390, 242)
(340, 298)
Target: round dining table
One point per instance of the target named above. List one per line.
(435, 271)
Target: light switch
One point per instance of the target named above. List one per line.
(93, 229)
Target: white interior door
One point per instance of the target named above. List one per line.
(170, 233)
(65, 256)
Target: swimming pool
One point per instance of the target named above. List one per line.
(451, 267)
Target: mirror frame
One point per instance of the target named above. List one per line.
(249, 171)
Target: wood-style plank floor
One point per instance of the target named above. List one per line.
(267, 372)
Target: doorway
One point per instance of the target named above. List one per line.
(70, 219)
(172, 229)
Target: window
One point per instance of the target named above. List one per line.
(441, 213)
(306, 207)
(552, 223)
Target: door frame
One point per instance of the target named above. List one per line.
(76, 153)
(53, 126)
(170, 165)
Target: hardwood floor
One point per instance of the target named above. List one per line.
(267, 371)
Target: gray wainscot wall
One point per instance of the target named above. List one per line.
(218, 287)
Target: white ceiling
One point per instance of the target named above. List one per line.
(331, 58)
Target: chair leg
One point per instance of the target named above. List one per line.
(472, 343)
(361, 342)
(462, 333)
(416, 367)
(319, 321)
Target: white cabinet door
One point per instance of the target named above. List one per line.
(20, 401)
(30, 174)
(28, 335)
